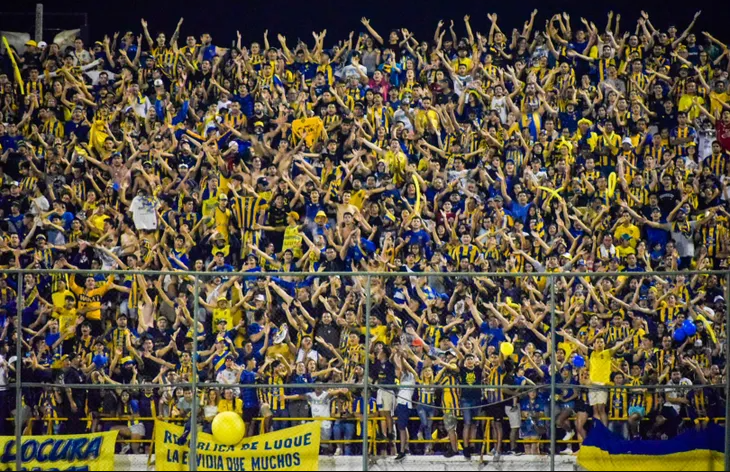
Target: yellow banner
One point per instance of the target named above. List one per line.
(289, 449)
(70, 452)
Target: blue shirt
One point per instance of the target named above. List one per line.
(248, 395)
(254, 329)
(419, 237)
(300, 379)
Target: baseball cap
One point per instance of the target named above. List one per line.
(31, 43)
(320, 214)
(42, 44)
(628, 141)
(158, 83)
(258, 124)
(294, 215)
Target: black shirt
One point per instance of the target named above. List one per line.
(471, 377)
(335, 265)
(384, 373)
(74, 376)
(277, 216)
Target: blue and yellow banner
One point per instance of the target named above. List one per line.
(70, 452)
(692, 450)
(289, 449)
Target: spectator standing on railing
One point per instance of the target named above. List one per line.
(74, 400)
(600, 372)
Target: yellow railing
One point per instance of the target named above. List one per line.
(372, 421)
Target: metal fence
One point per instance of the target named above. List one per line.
(550, 280)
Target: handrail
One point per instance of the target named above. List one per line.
(486, 440)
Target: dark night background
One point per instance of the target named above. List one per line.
(299, 18)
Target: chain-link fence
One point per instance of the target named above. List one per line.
(418, 363)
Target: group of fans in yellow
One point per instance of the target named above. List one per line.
(546, 148)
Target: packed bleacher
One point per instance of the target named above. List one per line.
(523, 152)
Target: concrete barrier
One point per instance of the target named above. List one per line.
(430, 463)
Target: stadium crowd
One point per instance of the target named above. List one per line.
(548, 148)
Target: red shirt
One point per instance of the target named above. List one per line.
(723, 134)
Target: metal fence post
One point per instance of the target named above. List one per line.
(194, 380)
(727, 371)
(366, 378)
(18, 373)
(38, 22)
(553, 362)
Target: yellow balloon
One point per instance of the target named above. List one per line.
(553, 193)
(228, 428)
(611, 185)
(417, 209)
(507, 349)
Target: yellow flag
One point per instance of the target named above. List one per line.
(314, 127)
(18, 77)
(289, 449)
(97, 135)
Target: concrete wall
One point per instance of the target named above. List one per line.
(431, 463)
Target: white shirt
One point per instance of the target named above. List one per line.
(140, 107)
(4, 369)
(94, 75)
(405, 395)
(320, 404)
(351, 71)
(41, 203)
(677, 393)
(81, 58)
(221, 105)
(500, 106)
(144, 213)
(228, 377)
(313, 355)
(400, 116)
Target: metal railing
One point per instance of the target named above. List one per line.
(366, 386)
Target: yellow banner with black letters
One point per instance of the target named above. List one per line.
(294, 448)
(66, 452)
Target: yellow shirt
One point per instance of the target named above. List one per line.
(66, 319)
(600, 371)
(716, 101)
(235, 405)
(396, 162)
(59, 298)
(622, 252)
(358, 198)
(282, 349)
(631, 230)
(223, 314)
(222, 219)
(293, 240)
(686, 104)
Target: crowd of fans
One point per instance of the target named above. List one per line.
(552, 148)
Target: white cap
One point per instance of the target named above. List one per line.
(159, 83)
(627, 140)
(42, 44)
